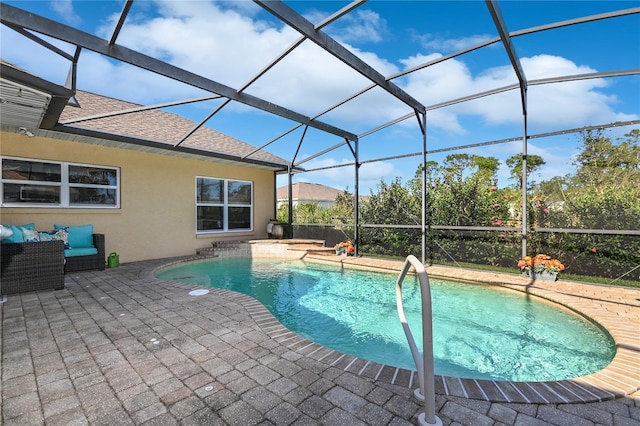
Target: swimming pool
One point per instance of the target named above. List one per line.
(479, 332)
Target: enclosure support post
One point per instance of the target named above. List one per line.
(525, 183)
(424, 188)
(505, 36)
(356, 199)
(290, 174)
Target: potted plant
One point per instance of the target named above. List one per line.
(541, 266)
(345, 248)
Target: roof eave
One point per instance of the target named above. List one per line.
(109, 139)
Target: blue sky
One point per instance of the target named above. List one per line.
(230, 41)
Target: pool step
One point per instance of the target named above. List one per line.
(234, 248)
(313, 248)
(229, 248)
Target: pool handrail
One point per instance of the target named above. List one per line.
(426, 391)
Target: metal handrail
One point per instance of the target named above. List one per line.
(426, 392)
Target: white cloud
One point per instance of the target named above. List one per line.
(66, 13)
(129, 83)
(440, 44)
(358, 27)
(362, 26)
(33, 57)
(201, 37)
(344, 177)
(566, 105)
(226, 42)
(230, 48)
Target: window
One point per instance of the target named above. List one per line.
(35, 183)
(223, 205)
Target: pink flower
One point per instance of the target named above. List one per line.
(496, 205)
(593, 250)
(493, 188)
(546, 210)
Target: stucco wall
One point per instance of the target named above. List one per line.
(156, 217)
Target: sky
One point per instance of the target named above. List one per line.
(231, 41)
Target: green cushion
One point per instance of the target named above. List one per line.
(80, 236)
(86, 251)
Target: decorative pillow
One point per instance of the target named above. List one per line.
(45, 236)
(17, 236)
(29, 235)
(61, 234)
(80, 236)
(5, 231)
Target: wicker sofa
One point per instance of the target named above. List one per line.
(84, 263)
(31, 267)
(41, 265)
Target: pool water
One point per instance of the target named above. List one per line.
(479, 332)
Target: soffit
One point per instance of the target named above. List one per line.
(22, 106)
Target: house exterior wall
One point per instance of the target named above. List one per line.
(157, 214)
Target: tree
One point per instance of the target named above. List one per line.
(392, 204)
(554, 190)
(602, 162)
(344, 209)
(487, 167)
(454, 167)
(515, 164)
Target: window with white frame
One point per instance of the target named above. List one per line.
(223, 205)
(39, 183)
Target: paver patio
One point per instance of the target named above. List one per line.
(119, 347)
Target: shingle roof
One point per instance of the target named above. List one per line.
(309, 191)
(154, 126)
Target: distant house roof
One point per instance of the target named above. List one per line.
(308, 192)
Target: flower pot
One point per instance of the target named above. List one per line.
(277, 231)
(543, 275)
